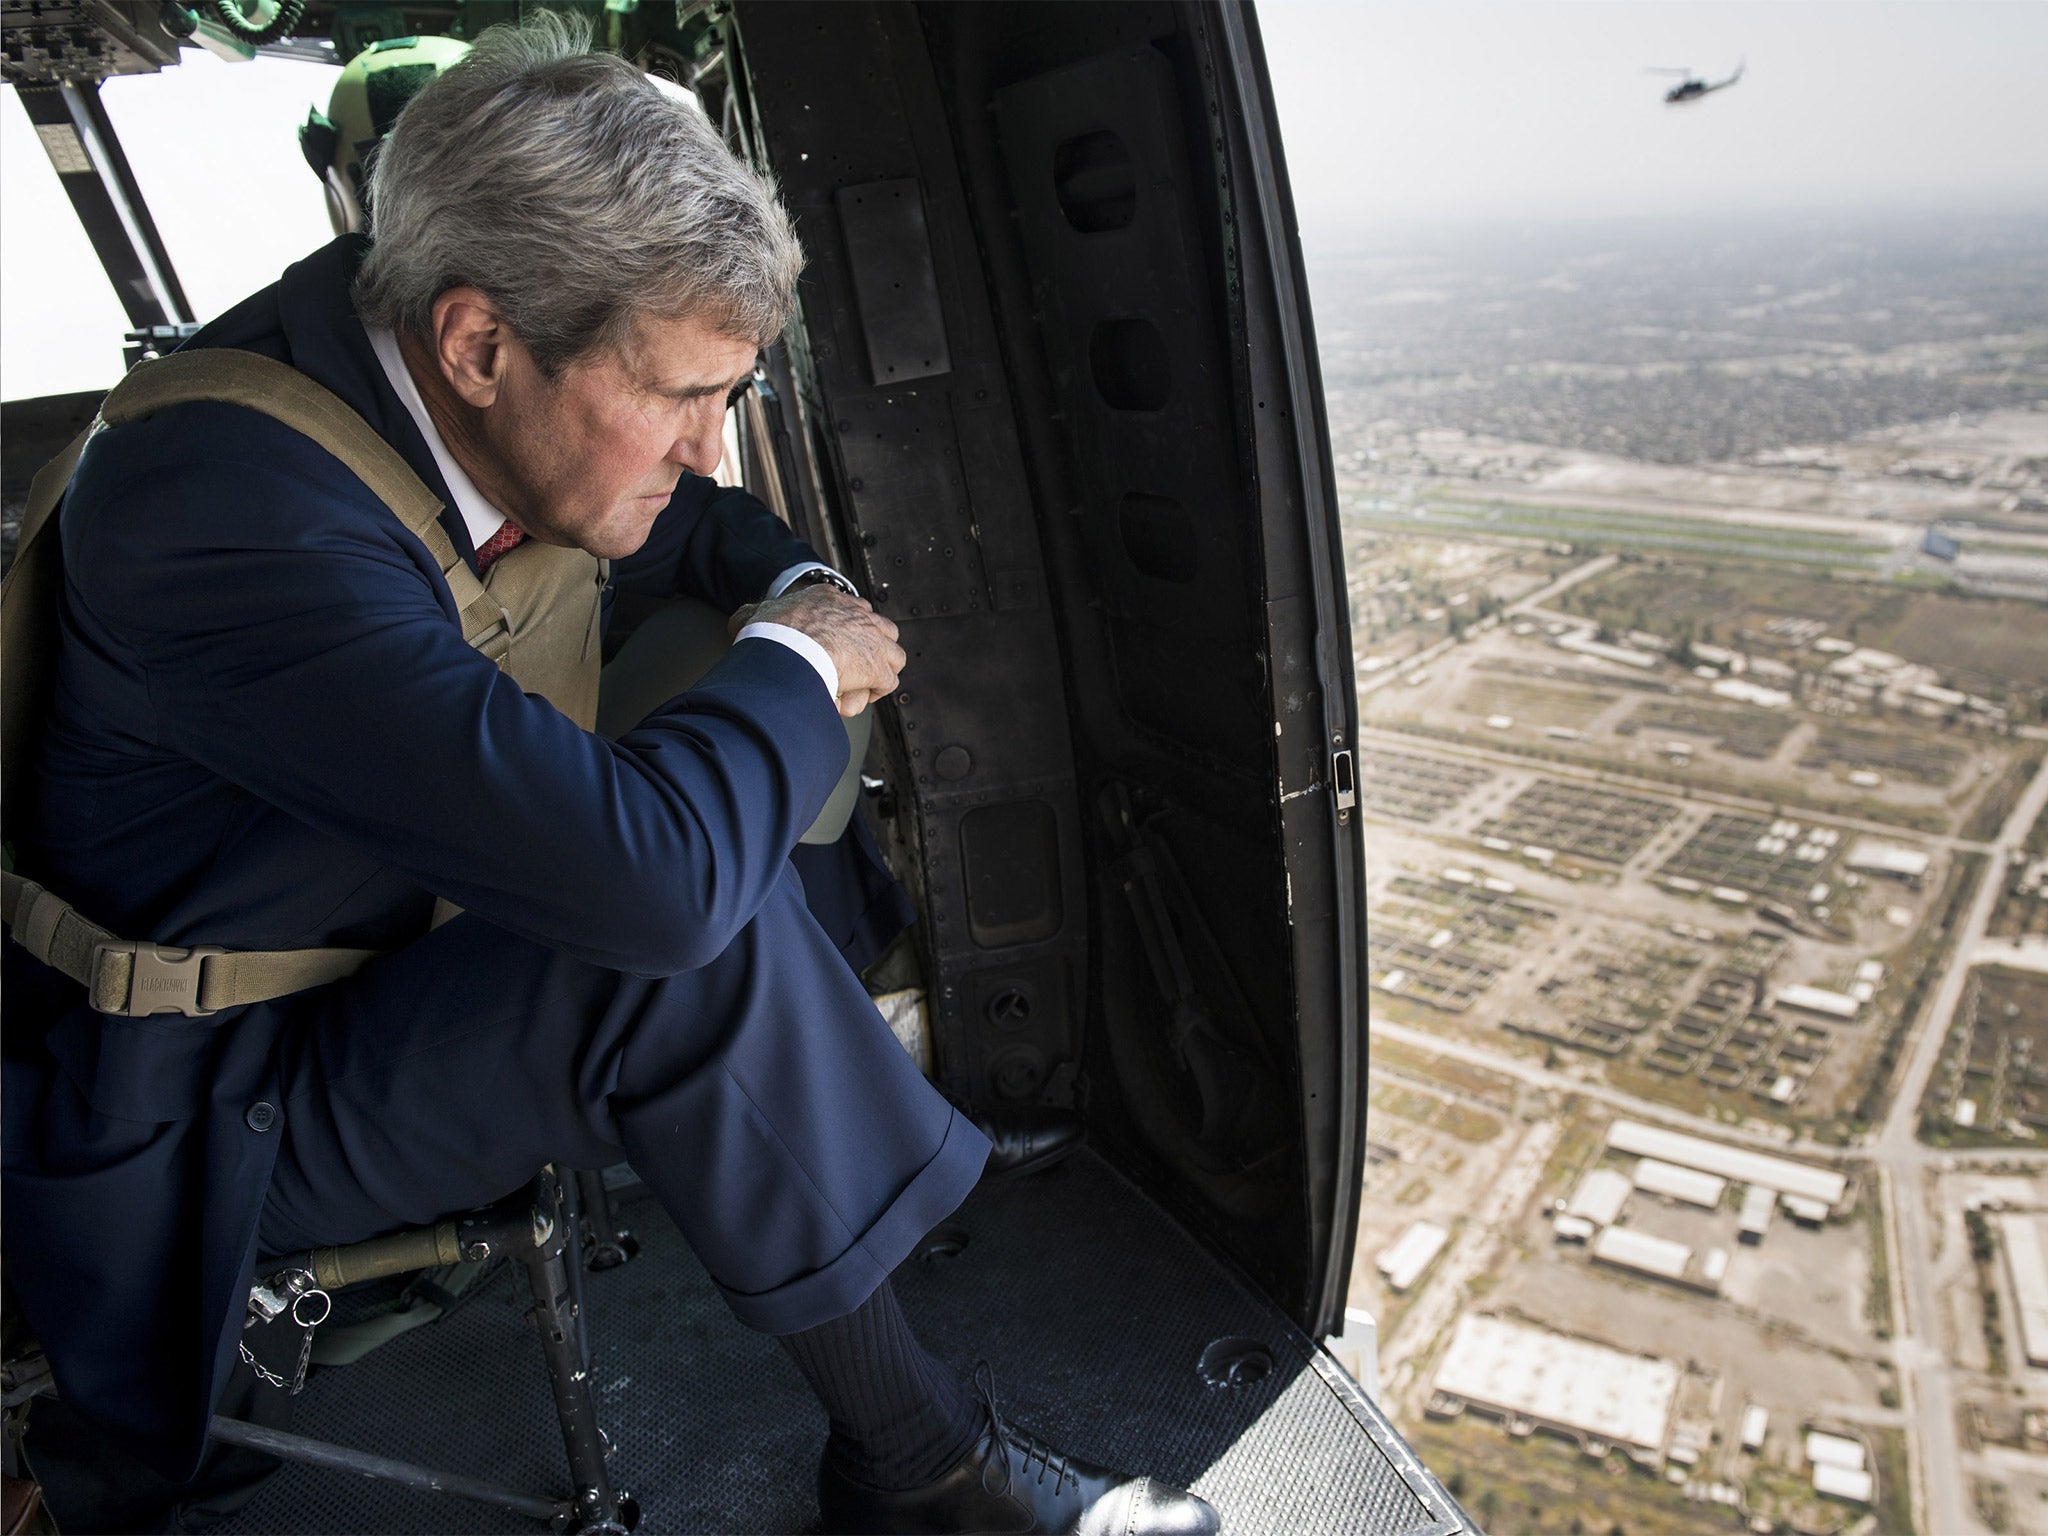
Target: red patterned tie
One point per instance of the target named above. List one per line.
(505, 538)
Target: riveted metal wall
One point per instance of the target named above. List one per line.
(1056, 360)
(899, 367)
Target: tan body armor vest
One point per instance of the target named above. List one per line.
(536, 613)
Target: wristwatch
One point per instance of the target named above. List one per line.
(823, 577)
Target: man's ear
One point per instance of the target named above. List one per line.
(472, 345)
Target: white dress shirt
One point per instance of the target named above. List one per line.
(483, 520)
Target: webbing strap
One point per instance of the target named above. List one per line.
(135, 978)
(138, 979)
(279, 390)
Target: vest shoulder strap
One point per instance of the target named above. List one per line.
(124, 976)
(28, 624)
(280, 391)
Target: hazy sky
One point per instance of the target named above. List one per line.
(1394, 111)
(1400, 110)
(216, 149)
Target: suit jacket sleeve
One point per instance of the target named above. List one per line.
(716, 543)
(297, 640)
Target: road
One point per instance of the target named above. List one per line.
(1943, 1504)
(1560, 1082)
(1536, 599)
(1471, 1255)
(1609, 778)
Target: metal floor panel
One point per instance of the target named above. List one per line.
(1090, 1305)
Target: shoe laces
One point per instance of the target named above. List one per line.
(1007, 1438)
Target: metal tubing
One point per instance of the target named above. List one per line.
(400, 1253)
(554, 1316)
(320, 1453)
(610, 1245)
(80, 140)
(576, 1233)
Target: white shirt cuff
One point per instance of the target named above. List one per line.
(781, 584)
(803, 645)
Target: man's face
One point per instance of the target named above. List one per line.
(590, 457)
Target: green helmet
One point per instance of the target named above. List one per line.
(341, 143)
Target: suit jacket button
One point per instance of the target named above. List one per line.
(262, 1116)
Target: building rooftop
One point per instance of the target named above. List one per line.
(1757, 1208)
(1825, 1450)
(1687, 1184)
(1836, 1005)
(1600, 1196)
(2026, 1263)
(1735, 1163)
(1658, 1256)
(1841, 1483)
(1403, 1263)
(1879, 858)
(1560, 1381)
(1756, 1419)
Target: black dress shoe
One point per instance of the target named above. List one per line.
(1013, 1482)
(1025, 1141)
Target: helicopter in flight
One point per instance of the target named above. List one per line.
(1692, 88)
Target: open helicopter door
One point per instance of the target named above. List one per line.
(1060, 393)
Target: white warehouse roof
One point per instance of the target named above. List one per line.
(2026, 1263)
(1873, 857)
(1687, 1184)
(1837, 1005)
(1736, 1163)
(1600, 1196)
(1750, 693)
(1834, 1451)
(1416, 1250)
(1755, 1420)
(1758, 1206)
(1841, 1483)
(1560, 1381)
(1638, 1250)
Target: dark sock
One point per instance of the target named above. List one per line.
(899, 1416)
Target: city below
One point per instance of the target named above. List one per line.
(1699, 600)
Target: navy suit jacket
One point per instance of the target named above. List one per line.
(269, 734)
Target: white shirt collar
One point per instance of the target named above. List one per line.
(478, 516)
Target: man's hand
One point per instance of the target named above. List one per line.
(861, 643)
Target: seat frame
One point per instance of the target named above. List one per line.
(551, 1230)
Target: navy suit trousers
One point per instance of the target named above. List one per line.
(761, 1097)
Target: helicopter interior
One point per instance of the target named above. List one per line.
(1052, 400)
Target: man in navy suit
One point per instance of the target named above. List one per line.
(269, 734)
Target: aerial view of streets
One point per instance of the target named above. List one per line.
(1699, 600)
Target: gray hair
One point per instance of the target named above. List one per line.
(568, 188)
